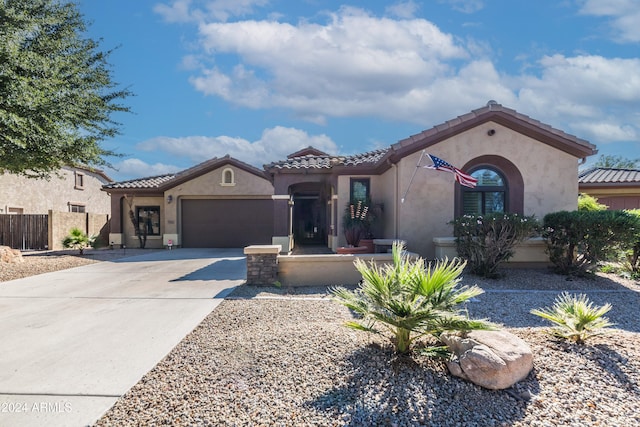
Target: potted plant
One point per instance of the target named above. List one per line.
(357, 225)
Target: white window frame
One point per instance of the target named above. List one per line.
(228, 172)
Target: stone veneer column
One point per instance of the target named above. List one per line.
(262, 264)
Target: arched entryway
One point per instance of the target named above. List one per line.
(311, 217)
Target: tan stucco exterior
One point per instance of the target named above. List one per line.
(38, 196)
(550, 181)
(549, 175)
(210, 185)
(539, 163)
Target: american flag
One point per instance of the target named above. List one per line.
(463, 178)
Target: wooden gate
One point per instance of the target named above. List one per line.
(24, 231)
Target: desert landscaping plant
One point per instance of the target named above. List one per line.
(410, 300)
(577, 241)
(487, 241)
(78, 239)
(140, 230)
(575, 317)
(590, 203)
(631, 262)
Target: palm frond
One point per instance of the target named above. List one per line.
(409, 299)
(575, 317)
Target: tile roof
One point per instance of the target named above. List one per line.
(496, 112)
(141, 183)
(609, 176)
(328, 161)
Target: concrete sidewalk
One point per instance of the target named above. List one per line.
(74, 341)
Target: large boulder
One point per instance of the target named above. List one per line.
(490, 359)
(8, 254)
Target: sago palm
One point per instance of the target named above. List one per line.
(575, 318)
(410, 300)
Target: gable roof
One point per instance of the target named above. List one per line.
(308, 151)
(603, 177)
(151, 182)
(164, 182)
(93, 170)
(507, 117)
(326, 161)
(312, 160)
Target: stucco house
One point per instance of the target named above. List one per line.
(615, 187)
(522, 165)
(71, 189)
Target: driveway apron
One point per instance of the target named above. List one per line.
(73, 341)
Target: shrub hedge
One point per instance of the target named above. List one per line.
(578, 240)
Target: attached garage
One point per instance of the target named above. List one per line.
(226, 223)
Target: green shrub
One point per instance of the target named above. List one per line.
(575, 318)
(578, 240)
(77, 239)
(410, 300)
(486, 242)
(632, 254)
(590, 203)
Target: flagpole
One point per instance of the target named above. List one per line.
(413, 175)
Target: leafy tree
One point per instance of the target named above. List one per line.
(410, 300)
(617, 162)
(56, 90)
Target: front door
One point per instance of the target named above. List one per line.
(309, 219)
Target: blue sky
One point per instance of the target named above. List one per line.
(259, 79)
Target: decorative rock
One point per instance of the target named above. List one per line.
(8, 254)
(490, 359)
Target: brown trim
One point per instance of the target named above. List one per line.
(514, 186)
(209, 166)
(611, 185)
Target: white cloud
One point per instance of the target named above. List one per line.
(624, 15)
(355, 64)
(177, 11)
(352, 65)
(136, 168)
(596, 96)
(404, 10)
(465, 6)
(274, 144)
(200, 10)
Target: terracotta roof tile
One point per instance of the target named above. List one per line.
(328, 161)
(141, 183)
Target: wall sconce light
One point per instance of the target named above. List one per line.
(169, 198)
(491, 132)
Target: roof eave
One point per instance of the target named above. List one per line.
(536, 130)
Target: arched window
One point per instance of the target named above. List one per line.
(500, 187)
(488, 196)
(228, 177)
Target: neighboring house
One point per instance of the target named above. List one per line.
(72, 189)
(523, 166)
(614, 187)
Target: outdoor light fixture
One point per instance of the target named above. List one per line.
(169, 198)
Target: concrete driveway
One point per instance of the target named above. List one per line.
(72, 342)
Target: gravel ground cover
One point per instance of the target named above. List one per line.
(38, 262)
(281, 357)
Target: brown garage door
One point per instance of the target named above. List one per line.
(226, 223)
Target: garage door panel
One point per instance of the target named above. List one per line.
(226, 223)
